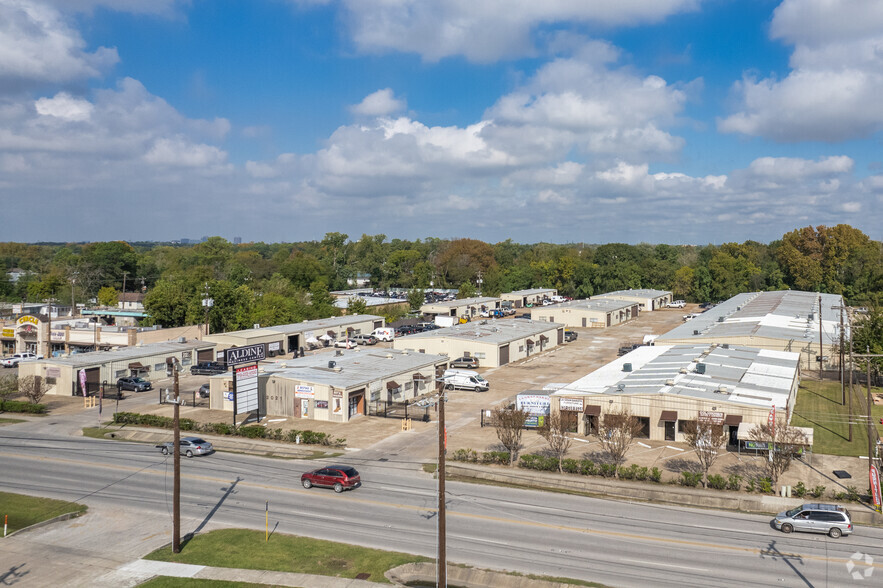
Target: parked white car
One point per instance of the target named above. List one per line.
(677, 304)
(16, 358)
(691, 316)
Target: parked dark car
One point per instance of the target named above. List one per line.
(207, 368)
(570, 335)
(465, 362)
(338, 477)
(405, 330)
(134, 384)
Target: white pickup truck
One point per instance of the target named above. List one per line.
(15, 359)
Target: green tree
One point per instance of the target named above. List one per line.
(108, 296)
(682, 286)
(467, 290)
(462, 260)
(167, 303)
(356, 305)
(867, 336)
(416, 298)
(111, 260)
(321, 302)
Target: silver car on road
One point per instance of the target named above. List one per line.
(831, 519)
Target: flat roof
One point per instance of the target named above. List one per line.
(369, 301)
(741, 375)
(530, 292)
(462, 302)
(353, 367)
(78, 360)
(597, 304)
(495, 331)
(785, 315)
(641, 292)
(314, 325)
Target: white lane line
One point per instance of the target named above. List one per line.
(645, 562)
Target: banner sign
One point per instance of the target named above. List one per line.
(304, 392)
(874, 476)
(273, 346)
(246, 387)
(534, 404)
(771, 419)
(715, 418)
(83, 381)
(534, 422)
(575, 404)
(247, 354)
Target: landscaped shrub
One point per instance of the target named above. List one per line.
(532, 461)
(839, 496)
(655, 475)
(717, 482)
(765, 485)
(466, 455)
(607, 470)
(588, 468)
(690, 479)
(220, 428)
(252, 432)
(817, 491)
(852, 494)
(734, 482)
(752, 485)
(799, 490)
(570, 466)
(495, 457)
(633, 472)
(23, 407)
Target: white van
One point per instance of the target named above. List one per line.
(465, 379)
(384, 334)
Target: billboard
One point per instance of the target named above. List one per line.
(534, 404)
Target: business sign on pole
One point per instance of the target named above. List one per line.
(771, 419)
(245, 381)
(534, 404)
(875, 487)
(83, 381)
(248, 354)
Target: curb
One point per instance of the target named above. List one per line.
(58, 519)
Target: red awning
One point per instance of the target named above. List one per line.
(392, 385)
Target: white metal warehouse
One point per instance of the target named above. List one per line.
(647, 298)
(594, 313)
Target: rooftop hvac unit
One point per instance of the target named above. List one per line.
(725, 345)
(695, 331)
(331, 364)
(722, 389)
(182, 339)
(721, 319)
(626, 367)
(669, 382)
(700, 368)
(683, 370)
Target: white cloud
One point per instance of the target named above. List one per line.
(179, 151)
(167, 8)
(37, 45)
(64, 106)
(488, 30)
(832, 93)
(380, 103)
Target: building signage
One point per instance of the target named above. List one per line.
(246, 387)
(534, 404)
(575, 404)
(247, 354)
(336, 393)
(874, 476)
(534, 422)
(229, 396)
(322, 404)
(53, 372)
(9, 333)
(273, 346)
(304, 392)
(27, 319)
(711, 416)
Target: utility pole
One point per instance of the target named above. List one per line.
(849, 413)
(821, 342)
(124, 281)
(442, 580)
(173, 366)
(842, 383)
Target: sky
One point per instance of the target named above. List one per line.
(664, 121)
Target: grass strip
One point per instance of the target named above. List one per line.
(24, 511)
(819, 407)
(170, 582)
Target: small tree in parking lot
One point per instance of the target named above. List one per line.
(617, 430)
(416, 298)
(785, 444)
(8, 386)
(509, 424)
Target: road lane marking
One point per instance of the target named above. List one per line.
(426, 509)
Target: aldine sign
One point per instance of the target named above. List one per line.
(247, 354)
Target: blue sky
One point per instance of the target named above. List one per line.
(672, 121)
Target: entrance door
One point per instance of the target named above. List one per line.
(669, 430)
(355, 405)
(591, 424)
(733, 439)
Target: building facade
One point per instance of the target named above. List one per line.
(593, 313)
(648, 299)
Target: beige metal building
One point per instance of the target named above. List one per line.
(647, 298)
(785, 320)
(594, 313)
(464, 307)
(282, 339)
(667, 386)
(105, 367)
(493, 342)
(337, 387)
(524, 298)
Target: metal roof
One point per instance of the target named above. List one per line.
(640, 292)
(487, 331)
(596, 304)
(530, 292)
(741, 375)
(314, 325)
(79, 360)
(352, 368)
(786, 315)
(462, 302)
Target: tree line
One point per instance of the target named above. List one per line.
(276, 283)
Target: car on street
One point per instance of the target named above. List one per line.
(134, 384)
(338, 477)
(347, 343)
(365, 339)
(188, 446)
(16, 358)
(208, 368)
(465, 362)
(570, 335)
(203, 391)
(831, 519)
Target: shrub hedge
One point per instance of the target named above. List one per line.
(249, 431)
(20, 406)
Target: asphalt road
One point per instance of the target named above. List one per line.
(616, 543)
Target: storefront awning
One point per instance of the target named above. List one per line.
(136, 365)
(420, 377)
(733, 419)
(592, 410)
(543, 338)
(392, 385)
(530, 342)
(669, 415)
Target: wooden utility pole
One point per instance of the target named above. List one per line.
(441, 575)
(842, 383)
(849, 412)
(821, 341)
(176, 516)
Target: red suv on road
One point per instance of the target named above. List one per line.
(338, 477)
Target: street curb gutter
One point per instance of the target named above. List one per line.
(657, 493)
(58, 519)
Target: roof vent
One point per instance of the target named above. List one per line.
(725, 345)
(721, 389)
(700, 368)
(683, 370)
(331, 364)
(182, 339)
(695, 331)
(626, 367)
(669, 382)
(721, 319)
(338, 353)
(337, 369)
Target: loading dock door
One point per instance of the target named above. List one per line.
(504, 354)
(293, 343)
(378, 324)
(608, 319)
(205, 355)
(93, 380)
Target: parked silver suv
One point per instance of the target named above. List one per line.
(816, 518)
